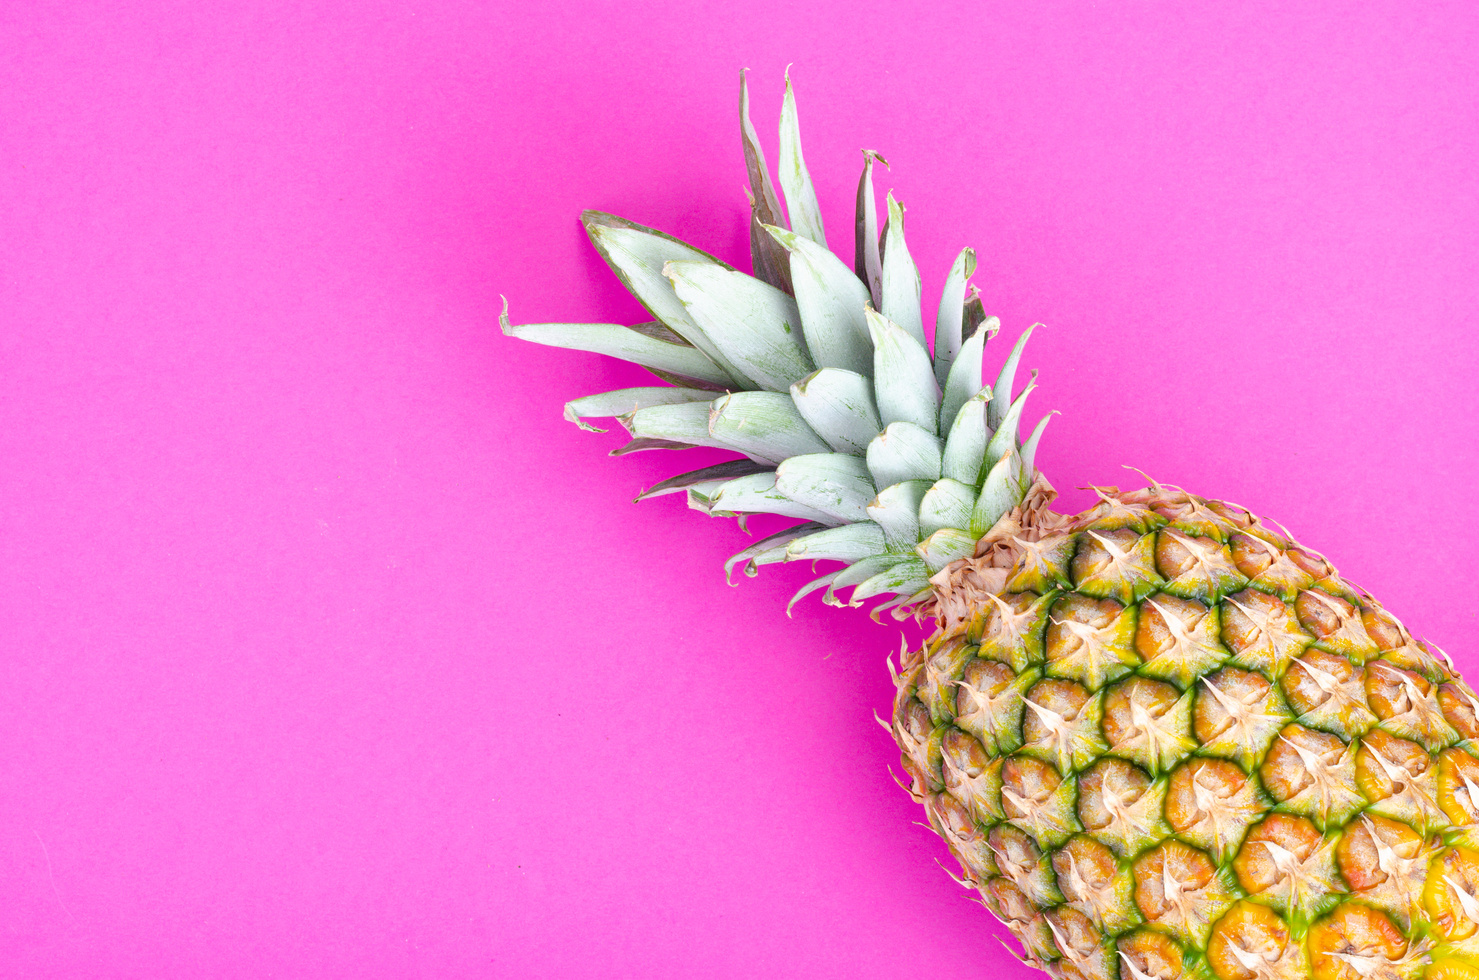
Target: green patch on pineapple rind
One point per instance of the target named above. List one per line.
(718, 332)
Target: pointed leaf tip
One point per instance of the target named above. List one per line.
(1004, 439)
(635, 344)
(767, 258)
(808, 589)
(1029, 450)
(1001, 391)
(717, 474)
(637, 254)
(614, 404)
(901, 289)
(801, 195)
(867, 254)
(767, 551)
(950, 320)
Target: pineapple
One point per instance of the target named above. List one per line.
(1162, 739)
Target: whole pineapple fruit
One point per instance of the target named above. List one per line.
(1162, 739)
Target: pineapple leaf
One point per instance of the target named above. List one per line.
(946, 504)
(801, 196)
(896, 510)
(899, 607)
(767, 550)
(849, 543)
(1029, 450)
(613, 403)
(765, 424)
(965, 447)
(860, 572)
(831, 301)
(833, 483)
(964, 380)
(768, 258)
(946, 545)
(615, 340)
(974, 318)
(903, 380)
(904, 578)
(999, 494)
(809, 588)
(867, 260)
(838, 404)
(698, 499)
(647, 442)
(657, 331)
(949, 320)
(687, 424)
(901, 289)
(756, 494)
(720, 471)
(681, 381)
(1001, 397)
(754, 325)
(637, 255)
(1004, 439)
(903, 451)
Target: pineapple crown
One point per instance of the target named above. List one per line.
(896, 461)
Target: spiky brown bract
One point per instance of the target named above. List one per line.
(1164, 741)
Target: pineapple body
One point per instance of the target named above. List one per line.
(1165, 741)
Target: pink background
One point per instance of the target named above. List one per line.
(331, 650)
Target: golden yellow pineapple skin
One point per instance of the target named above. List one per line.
(1163, 740)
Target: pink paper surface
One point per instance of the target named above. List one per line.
(330, 650)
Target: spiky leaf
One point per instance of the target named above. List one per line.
(903, 379)
(901, 288)
(849, 543)
(838, 405)
(637, 255)
(754, 325)
(833, 483)
(766, 255)
(903, 451)
(756, 494)
(951, 317)
(615, 340)
(801, 197)
(867, 260)
(896, 510)
(728, 470)
(766, 424)
(610, 404)
(831, 301)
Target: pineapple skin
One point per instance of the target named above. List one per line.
(1163, 740)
